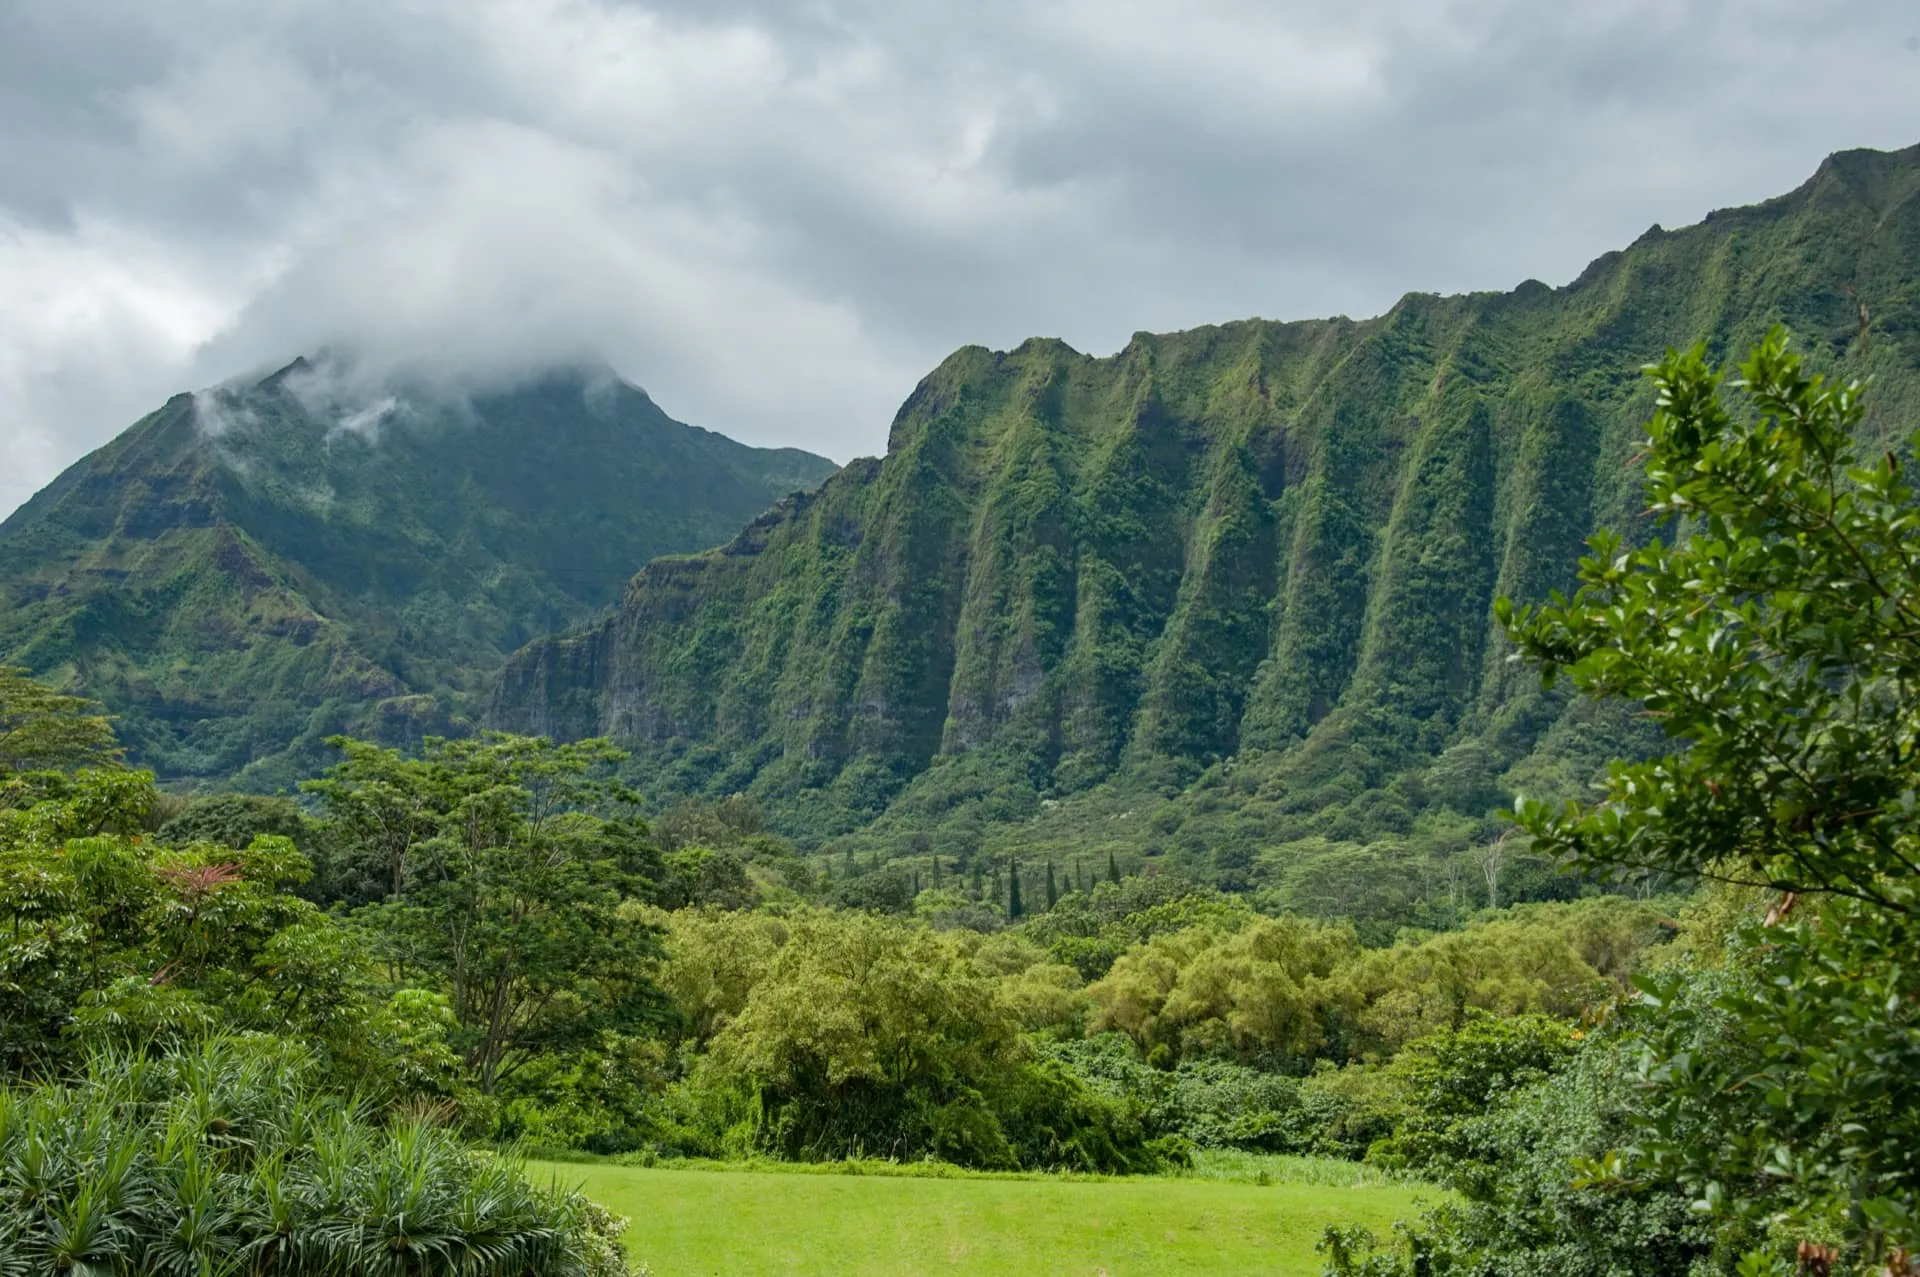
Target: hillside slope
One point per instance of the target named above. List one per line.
(1227, 589)
(245, 571)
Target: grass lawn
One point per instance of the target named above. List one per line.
(737, 1223)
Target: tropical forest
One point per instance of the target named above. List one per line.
(1433, 794)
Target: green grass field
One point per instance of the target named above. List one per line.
(739, 1223)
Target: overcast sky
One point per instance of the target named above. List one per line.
(778, 216)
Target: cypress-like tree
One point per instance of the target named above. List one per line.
(1014, 908)
(1053, 893)
(916, 884)
(1079, 877)
(1113, 868)
(936, 873)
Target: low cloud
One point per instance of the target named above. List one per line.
(776, 216)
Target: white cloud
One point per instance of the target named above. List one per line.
(227, 106)
(93, 319)
(777, 215)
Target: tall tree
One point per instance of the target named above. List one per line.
(1015, 908)
(1778, 638)
(380, 805)
(511, 902)
(41, 729)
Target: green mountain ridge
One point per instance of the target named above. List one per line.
(246, 571)
(1227, 590)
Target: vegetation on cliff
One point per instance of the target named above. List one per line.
(1223, 599)
(250, 570)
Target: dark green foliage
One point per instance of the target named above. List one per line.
(1778, 639)
(106, 937)
(1208, 1103)
(519, 857)
(1087, 932)
(698, 876)
(1785, 1089)
(1525, 1212)
(227, 1159)
(235, 820)
(887, 891)
(735, 821)
(240, 575)
(1223, 599)
(41, 730)
(1452, 1078)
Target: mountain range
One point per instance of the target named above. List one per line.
(248, 570)
(1227, 591)
(1220, 600)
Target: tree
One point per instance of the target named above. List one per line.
(514, 857)
(887, 892)
(1454, 1077)
(234, 820)
(44, 730)
(1053, 891)
(695, 876)
(1493, 858)
(868, 1035)
(1263, 992)
(1113, 868)
(1779, 640)
(1804, 1062)
(1015, 908)
(379, 805)
(108, 936)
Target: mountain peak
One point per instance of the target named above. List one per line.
(274, 559)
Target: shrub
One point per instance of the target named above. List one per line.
(226, 1159)
(874, 1037)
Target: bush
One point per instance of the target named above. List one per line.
(868, 1036)
(1212, 1104)
(1783, 1088)
(225, 1158)
(1523, 1209)
(1450, 1079)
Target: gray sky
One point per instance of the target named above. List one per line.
(777, 216)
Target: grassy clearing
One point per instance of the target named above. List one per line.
(710, 1220)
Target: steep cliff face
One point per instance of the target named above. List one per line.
(248, 570)
(1232, 574)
